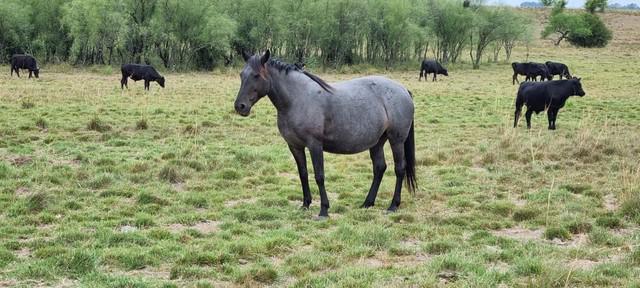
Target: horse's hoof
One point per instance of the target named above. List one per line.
(304, 207)
(367, 205)
(391, 210)
(321, 218)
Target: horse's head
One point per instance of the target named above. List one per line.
(577, 87)
(161, 82)
(254, 82)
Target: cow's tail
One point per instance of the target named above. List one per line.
(410, 159)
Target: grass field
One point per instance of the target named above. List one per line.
(107, 188)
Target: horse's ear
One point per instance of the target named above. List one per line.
(265, 57)
(245, 55)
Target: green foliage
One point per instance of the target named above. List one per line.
(595, 33)
(203, 34)
(592, 5)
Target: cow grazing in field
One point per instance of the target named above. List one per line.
(431, 66)
(531, 71)
(20, 61)
(539, 70)
(140, 72)
(556, 68)
(550, 95)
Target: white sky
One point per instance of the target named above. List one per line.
(572, 3)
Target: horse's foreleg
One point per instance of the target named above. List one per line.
(301, 162)
(318, 170)
(146, 84)
(400, 169)
(379, 166)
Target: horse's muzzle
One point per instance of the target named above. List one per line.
(243, 109)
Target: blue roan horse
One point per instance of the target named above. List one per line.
(344, 118)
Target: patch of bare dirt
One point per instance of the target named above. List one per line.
(233, 203)
(23, 253)
(582, 264)
(577, 240)
(206, 227)
(20, 160)
(610, 202)
(150, 272)
(23, 192)
(520, 234)
(178, 187)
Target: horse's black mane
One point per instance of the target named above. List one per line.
(255, 63)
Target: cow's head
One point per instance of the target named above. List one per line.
(161, 82)
(577, 86)
(444, 72)
(36, 72)
(254, 82)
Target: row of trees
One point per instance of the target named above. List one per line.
(186, 34)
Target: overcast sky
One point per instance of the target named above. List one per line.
(572, 3)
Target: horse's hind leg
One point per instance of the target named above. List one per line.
(400, 169)
(301, 162)
(379, 166)
(318, 170)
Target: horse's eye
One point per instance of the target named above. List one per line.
(256, 76)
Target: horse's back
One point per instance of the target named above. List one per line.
(375, 102)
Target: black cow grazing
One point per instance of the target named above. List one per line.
(556, 68)
(530, 70)
(140, 72)
(549, 95)
(539, 70)
(431, 66)
(20, 61)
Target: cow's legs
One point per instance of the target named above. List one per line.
(420, 79)
(434, 76)
(517, 116)
(301, 162)
(11, 71)
(515, 79)
(18, 72)
(30, 72)
(379, 166)
(318, 170)
(123, 82)
(146, 84)
(528, 116)
(552, 113)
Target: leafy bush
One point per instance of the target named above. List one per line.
(596, 35)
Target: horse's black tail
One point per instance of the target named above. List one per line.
(410, 158)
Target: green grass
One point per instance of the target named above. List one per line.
(170, 188)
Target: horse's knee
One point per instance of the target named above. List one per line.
(379, 168)
(319, 177)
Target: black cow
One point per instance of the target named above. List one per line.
(531, 70)
(140, 72)
(556, 68)
(20, 61)
(431, 66)
(539, 70)
(550, 95)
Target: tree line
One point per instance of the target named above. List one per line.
(202, 34)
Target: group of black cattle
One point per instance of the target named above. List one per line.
(134, 71)
(537, 96)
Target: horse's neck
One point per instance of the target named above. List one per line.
(285, 88)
